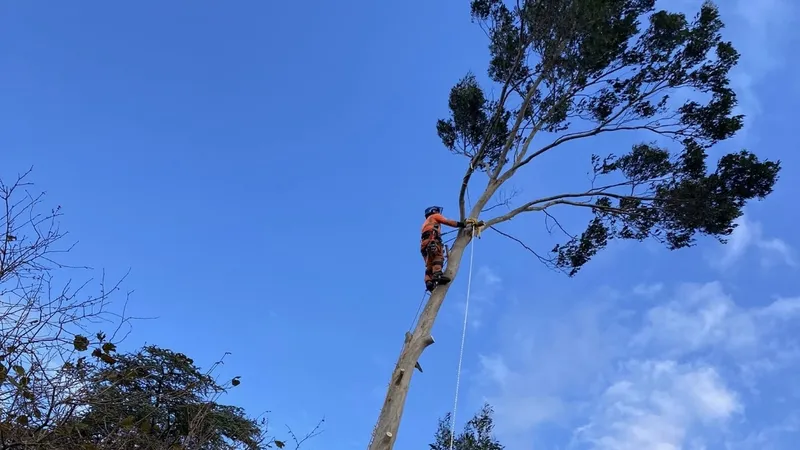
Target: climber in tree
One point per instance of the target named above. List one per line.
(432, 247)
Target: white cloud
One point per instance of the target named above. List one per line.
(656, 404)
(648, 290)
(765, 23)
(524, 410)
(490, 278)
(486, 284)
(545, 357)
(758, 29)
(700, 316)
(672, 375)
(702, 320)
(748, 236)
(775, 250)
(783, 308)
(766, 438)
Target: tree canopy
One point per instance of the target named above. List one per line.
(476, 435)
(574, 69)
(158, 398)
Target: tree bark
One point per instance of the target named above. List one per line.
(385, 432)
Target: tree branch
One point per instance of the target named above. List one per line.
(512, 135)
(601, 128)
(487, 138)
(473, 163)
(546, 261)
(313, 433)
(561, 199)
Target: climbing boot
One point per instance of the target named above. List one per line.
(440, 278)
(430, 285)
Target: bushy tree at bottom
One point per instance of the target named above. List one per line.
(154, 399)
(157, 398)
(477, 433)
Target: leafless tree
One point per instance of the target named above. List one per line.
(43, 313)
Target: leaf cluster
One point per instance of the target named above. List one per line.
(476, 435)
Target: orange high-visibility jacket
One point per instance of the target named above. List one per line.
(434, 223)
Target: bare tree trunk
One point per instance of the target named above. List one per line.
(385, 432)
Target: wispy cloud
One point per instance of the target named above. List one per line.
(699, 317)
(655, 404)
(486, 284)
(520, 405)
(766, 438)
(647, 290)
(671, 375)
(765, 21)
(543, 357)
(748, 237)
(759, 31)
(758, 28)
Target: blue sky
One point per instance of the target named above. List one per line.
(262, 170)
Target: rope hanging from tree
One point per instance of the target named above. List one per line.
(475, 233)
(463, 338)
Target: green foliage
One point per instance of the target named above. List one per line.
(154, 399)
(574, 69)
(81, 343)
(477, 434)
(467, 129)
(157, 398)
(673, 201)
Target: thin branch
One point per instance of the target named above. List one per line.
(497, 205)
(316, 431)
(546, 202)
(505, 200)
(558, 224)
(601, 128)
(487, 138)
(546, 261)
(512, 135)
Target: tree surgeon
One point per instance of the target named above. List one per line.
(432, 247)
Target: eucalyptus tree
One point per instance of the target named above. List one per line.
(570, 70)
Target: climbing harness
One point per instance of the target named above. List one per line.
(463, 338)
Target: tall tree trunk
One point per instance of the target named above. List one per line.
(385, 432)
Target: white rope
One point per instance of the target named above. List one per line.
(463, 337)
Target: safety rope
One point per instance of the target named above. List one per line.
(419, 308)
(463, 338)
